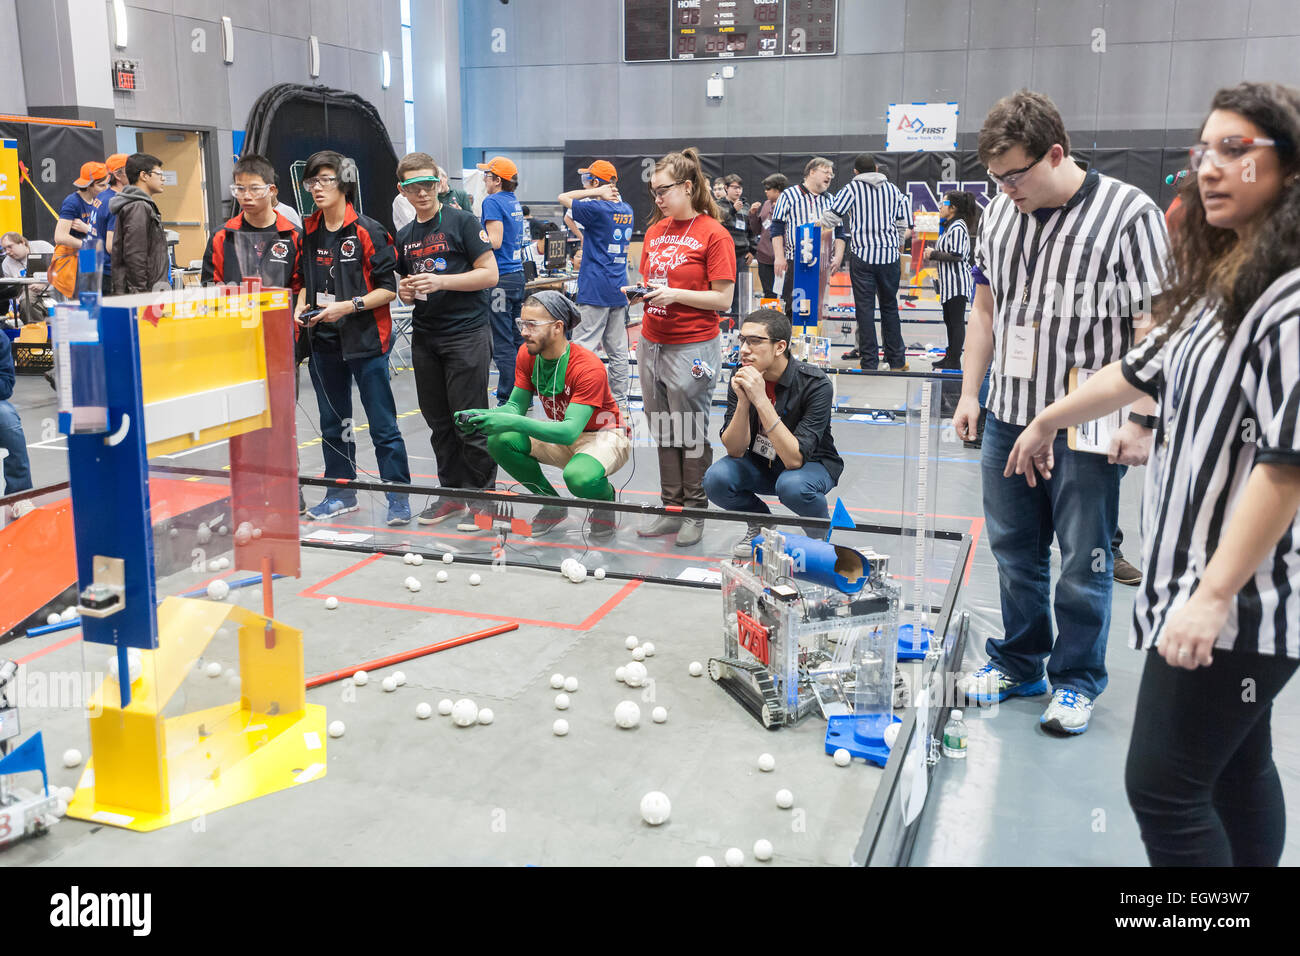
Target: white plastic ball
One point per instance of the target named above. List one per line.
(655, 808)
(442, 577)
(331, 603)
(648, 648)
(448, 558)
(631, 642)
(202, 535)
(784, 799)
(400, 677)
(634, 674)
(444, 706)
(408, 558)
(638, 653)
(762, 850)
(414, 585)
(388, 684)
(135, 664)
(766, 763)
(213, 669)
(410, 581)
(173, 532)
(214, 564)
(561, 701)
(557, 681)
(66, 794)
(72, 758)
(257, 532)
(598, 574)
(485, 716)
(620, 674)
(464, 712)
(223, 530)
(735, 857)
(659, 715)
(696, 668)
(578, 574)
(423, 711)
(228, 673)
(627, 715)
(560, 727)
(475, 580)
(69, 614)
(53, 618)
(842, 757)
(704, 861)
(61, 807)
(891, 735)
(336, 728)
(217, 590)
(417, 559)
(360, 678)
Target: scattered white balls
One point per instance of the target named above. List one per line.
(72, 758)
(360, 678)
(570, 684)
(655, 808)
(598, 574)
(696, 668)
(412, 584)
(388, 684)
(560, 727)
(631, 642)
(475, 579)
(423, 711)
(442, 577)
(842, 757)
(445, 706)
(218, 564)
(634, 674)
(485, 716)
(408, 558)
(735, 857)
(69, 614)
(784, 799)
(561, 701)
(331, 603)
(648, 648)
(620, 673)
(577, 572)
(217, 590)
(627, 715)
(766, 763)
(417, 559)
(638, 653)
(891, 735)
(762, 850)
(557, 681)
(704, 861)
(659, 715)
(213, 669)
(464, 712)
(448, 558)
(336, 729)
(400, 677)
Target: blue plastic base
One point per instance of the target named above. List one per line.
(861, 736)
(910, 650)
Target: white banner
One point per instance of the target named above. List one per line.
(921, 127)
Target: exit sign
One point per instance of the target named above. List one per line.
(125, 75)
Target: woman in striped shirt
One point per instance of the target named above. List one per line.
(1219, 612)
(953, 254)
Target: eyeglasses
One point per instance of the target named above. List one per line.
(660, 192)
(419, 187)
(320, 181)
(1009, 180)
(533, 325)
(257, 192)
(753, 341)
(1228, 150)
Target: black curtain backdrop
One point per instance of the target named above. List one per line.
(56, 151)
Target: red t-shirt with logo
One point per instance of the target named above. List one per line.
(690, 254)
(585, 382)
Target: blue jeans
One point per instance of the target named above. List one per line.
(869, 282)
(1080, 506)
(508, 296)
(332, 377)
(735, 483)
(18, 475)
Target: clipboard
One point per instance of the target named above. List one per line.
(1094, 436)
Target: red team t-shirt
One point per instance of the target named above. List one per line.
(585, 382)
(690, 254)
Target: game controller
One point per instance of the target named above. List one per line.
(463, 418)
(637, 292)
(310, 314)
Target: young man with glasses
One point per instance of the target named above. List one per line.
(606, 222)
(139, 259)
(503, 218)
(583, 433)
(447, 267)
(257, 241)
(1066, 264)
(777, 429)
(347, 283)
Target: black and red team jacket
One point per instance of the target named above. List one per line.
(281, 265)
(364, 259)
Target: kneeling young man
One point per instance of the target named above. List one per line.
(584, 432)
(777, 429)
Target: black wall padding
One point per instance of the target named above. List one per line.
(290, 122)
(69, 147)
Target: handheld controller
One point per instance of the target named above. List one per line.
(638, 291)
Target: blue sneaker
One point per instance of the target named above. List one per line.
(331, 508)
(989, 685)
(1067, 713)
(399, 510)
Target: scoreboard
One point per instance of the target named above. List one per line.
(725, 29)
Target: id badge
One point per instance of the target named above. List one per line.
(1022, 351)
(324, 299)
(764, 448)
(658, 282)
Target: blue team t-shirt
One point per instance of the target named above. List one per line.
(74, 208)
(503, 207)
(607, 230)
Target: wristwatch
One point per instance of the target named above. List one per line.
(1146, 421)
(359, 304)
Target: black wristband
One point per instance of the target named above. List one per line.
(1146, 421)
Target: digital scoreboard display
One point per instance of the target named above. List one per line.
(723, 29)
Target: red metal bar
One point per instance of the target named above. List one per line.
(410, 655)
(268, 600)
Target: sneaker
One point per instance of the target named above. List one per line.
(1125, 573)
(664, 524)
(302, 503)
(1067, 712)
(332, 508)
(692, 530)
(600, 523)
(744, 548)
(989, 685)
(22, 509)
(902, 368)
(851, 354)
(546, 520)
(399, 510)
(437, 514)
(469, 521)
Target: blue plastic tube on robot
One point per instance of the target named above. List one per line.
(830, 565)
(79, 353)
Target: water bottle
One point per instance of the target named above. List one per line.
(954, 737)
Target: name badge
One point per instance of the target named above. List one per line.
(1022, 351)
(658, 282)
(324, 298)
(764, 448)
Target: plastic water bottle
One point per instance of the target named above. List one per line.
(954, 737)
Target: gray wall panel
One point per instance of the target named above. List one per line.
(289, 60)
(490, 106)
(1129, 22)
(1071, 76)
(934, 77)
(1274, 58)
(477, 23)
(590, 108)
(335, 67)
(991, 75)
(162, 6)
(541, 105)
(693, 115)
(196, 9)
(753, 103)
(367, 79)
(329, 21)
(541, 37)
(1134, 86)
(937, 25)
(1067, 22)
(1197, 70)
(391, 26)
(251, 73)
(13, 96)
(201, 77)
(1210, 20)
(365, 29)
(872, 26)
(157, 99)
(1001, 23)
(871, 82)
(251, 14)
(814, 95)
(291, 18)
(392, 108)
(644, 110)
(1270, 18)
(225, 147)
(591, 33)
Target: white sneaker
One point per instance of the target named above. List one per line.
(989, 685)
(1067, 713)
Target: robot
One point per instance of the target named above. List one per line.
(21, 813)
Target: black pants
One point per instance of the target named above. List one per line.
(451, 374)
(870, 281)
(767, 278)
(954, 320)
(1200, 774)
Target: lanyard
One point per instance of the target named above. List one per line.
(1032, 263)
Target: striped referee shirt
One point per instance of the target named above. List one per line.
(954, 277)
(1078, 274)
(872, 206)
(1226, 405)
(793, 208)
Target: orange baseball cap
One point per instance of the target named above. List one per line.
(90, 173)
(502, 167)
(601, 169)
(115, 162)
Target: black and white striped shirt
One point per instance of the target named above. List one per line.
(1226, 405)
(954, 277)
(872, 206)
(794, 207)
(1099, 260)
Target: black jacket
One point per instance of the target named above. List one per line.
(279, 265)
(139, 243)
(364, 260)
(742, 233)
(804, 399)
